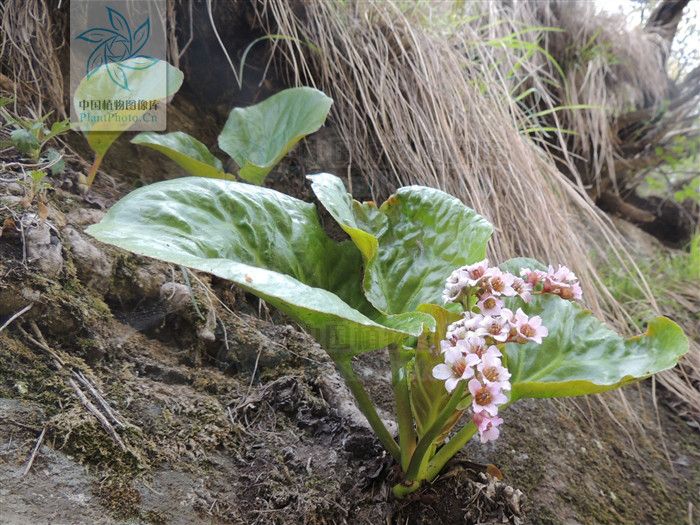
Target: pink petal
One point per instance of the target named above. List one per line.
(442, 372)
(474, 386)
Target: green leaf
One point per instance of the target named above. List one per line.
(24, 141)
(57, 128)
(187, 151)
(59, 165)
(268, 243)
(518, 263)
(581, 355)
(410, 244)
(257, 137)
(144, 84)
(37, 176)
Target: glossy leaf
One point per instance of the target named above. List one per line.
(581, 355)
(186, 150)
(257, 137)
(268, 243)
(410, 244)
(155, 83)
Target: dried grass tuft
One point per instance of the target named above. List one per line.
(29, 61)
(436, 104)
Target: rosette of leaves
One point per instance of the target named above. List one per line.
(256, 137)
(381, 288)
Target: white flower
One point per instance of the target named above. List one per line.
(492, 370)
(497, 328)
(529, 328)
(490, 305)
(457, 367)
(499, 283)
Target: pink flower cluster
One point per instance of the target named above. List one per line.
(562, 282)
(471, 347)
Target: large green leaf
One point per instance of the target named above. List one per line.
(187, 151)
(581, 355)
(270, 244)
(257, 137)
(155, 83)
(410, 244)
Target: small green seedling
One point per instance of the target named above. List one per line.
(256, 137)
(30, 136)
(35, 190)
(465, 339)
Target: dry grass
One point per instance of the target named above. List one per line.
(29, 61)
(420, 105)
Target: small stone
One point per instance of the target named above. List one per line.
(93, 265)
(177, 296)
(43, 247)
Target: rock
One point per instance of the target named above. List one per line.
(14, 188)
(148, 281)
(205, 331)
(85, 216)
(43, 246)
(176, 296)
(93, 265)
(10, 200)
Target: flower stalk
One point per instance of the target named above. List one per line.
(366, 406)
(399, 381)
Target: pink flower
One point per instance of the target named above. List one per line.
(529, 328)
(532, 277)
(486, 396)
(499, 283)
(577, 292)
(493, 371)
(562, 275)
(461, 329)
(490, 305)
(497, 328)
(523, 289)
(491, 351)
(562, 282)
(454, 285)
(476, 271)
(463, 278)
(476, 345)
(487, 426)
(457, 366)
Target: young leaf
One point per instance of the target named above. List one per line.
(581, 355)
(410, 244)
(53, 155)
(37, 176)
(257, 137)
(144, 84)
(25, 142)
(268, 243)
(187, 151)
